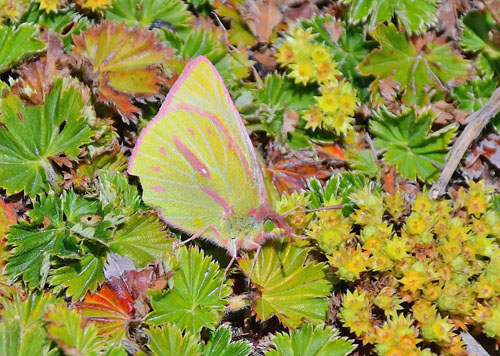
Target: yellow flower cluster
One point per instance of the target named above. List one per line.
(443, 258)
(49, 5)
(312, 62)
(12, 9)
(94, 5)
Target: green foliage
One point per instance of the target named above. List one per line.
(34, 248)
(144, 12)
(311, 341)
(193, 302)
(64, 22)
(231, 66)
(33, 134)
(115, 193)
(414, 16)
(142, 240)
(65, 327)
(22, 331)
(264, 108)
(408, 143)
(478, 37)
(16, 340)
(399, 60)
(289, 286)
(26, 44)
(220, 344)
(363, 161)
(170, 340)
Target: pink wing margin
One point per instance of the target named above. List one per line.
(165, 108)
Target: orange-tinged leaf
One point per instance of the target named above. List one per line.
(125, 62)
(262, 17)
(110, 309)
(7, 217)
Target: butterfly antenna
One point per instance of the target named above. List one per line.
(332, 207)
(254, 261)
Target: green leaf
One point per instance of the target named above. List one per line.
(311, 341)
(142, 240)
(414, 16)
(66, 328)
(33, 247)
(363, 161)
(288, 286)
(231, 66)
(398, 60)
(28, 310)
(16, 340)
(144, 12)
(408, 143)
(80, 276)
(33, 134)
(478, 36)
(17, 43)
(193, 302)
(472, 96)
(220, 344)
(170, 340)
(114, 189)
(65, 22)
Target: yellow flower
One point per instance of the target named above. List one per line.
(12, 9)
(302, 71)
(94, 4)
(413, 281)
(341, 123)
(320, 54)
(327, 72)
(286, 54)
(313, 118)
(415, 224)
(302, 38)
(328, 102)
(49, 5)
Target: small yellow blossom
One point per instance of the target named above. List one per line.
(49, 5)
(286, 54)
(302, 71)
(313, 118)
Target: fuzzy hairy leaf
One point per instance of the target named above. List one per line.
(145, 12)
(66, 328)
(408, 143)
(17, 43)
(363, 161)
(170, 340)
(478, 36)
(33, 134)
(126, 63)
(288, 285)
(398, 60)
(142, 240)
(414, 16)
(220, 344)
(79, 276)
(194, 301)
(311, 341)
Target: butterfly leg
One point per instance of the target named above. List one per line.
(254, 261)
(226, 270)
(199, 233)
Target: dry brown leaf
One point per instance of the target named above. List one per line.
(447, 113)
(304, 11)
(262, 17)
(334, 29)
(266, 58)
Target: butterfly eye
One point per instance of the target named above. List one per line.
(268, 225)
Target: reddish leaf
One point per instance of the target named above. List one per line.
(262, 17)
(36, 78)
(487, 149)
(447, 15)
(7, 217)
(125, 64)
(304, 11)
(332, 152)
(291, 173)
